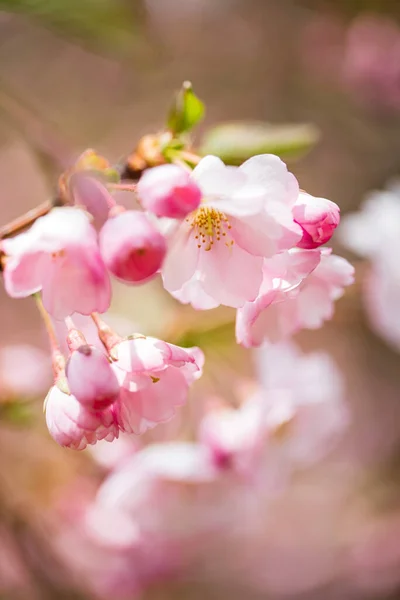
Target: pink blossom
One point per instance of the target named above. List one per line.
(59, 255)
(154, 378)
(233, 438)
(304, 408)
(374, 233)
(216, 254)
(91, 379)
(168, 191)
(157, 531)
(318, 219)
(25, 371)
(132, 247)
(72, 425)
(370, 65)
(298, 291)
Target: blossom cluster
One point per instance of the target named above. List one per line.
(218, 492)
(244, 237)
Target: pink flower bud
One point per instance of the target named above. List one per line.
(132, 247)
(168, 191)
(72, 425)
(91, 379)
(317, 217)
(91, 194)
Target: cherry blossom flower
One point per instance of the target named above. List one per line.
(216, 254)
(59, 256)
(72, 425)
(154, 377)
(298, 291)
(318, 219)
(168, 191)
(132, 247)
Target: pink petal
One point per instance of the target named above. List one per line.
(23, 275)
(142, 410)
(192, 293)
(140, 355)
(269, 171)
(76, 281)
(231, 275)
(181, 260)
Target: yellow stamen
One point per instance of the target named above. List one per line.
(210, 224)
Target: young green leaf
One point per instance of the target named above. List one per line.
(187, 110)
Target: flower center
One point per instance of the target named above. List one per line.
(210, 225)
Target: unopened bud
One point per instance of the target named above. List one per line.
(91, 378)
(132, 247)
(168, 191)
(318, 219)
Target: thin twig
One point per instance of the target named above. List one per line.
(24, 221)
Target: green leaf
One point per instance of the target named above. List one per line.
(187, 110)
(236, 142)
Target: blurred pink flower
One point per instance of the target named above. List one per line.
(181, 510)
(168, 191)
(132, 246)
(72, 425)
(233, 438)
(36, 368)
(154, 377)
(59, 255)
(318, 219)
(304, 407)
(374, 233)
(362, 58)
(111, 456)
(216, 254)
(298, 291)
(371, 62)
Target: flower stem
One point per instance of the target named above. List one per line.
(190, 157)
(181, 163)
(122, 187)
(107, 336)
(56, 354)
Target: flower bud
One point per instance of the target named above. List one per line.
(72, 425)
(91, 194)
(168, 191)
(91, 378)
(318, 219)
(132, 247)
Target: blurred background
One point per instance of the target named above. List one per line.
(100, 74)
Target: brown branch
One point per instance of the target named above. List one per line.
(24, 221)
